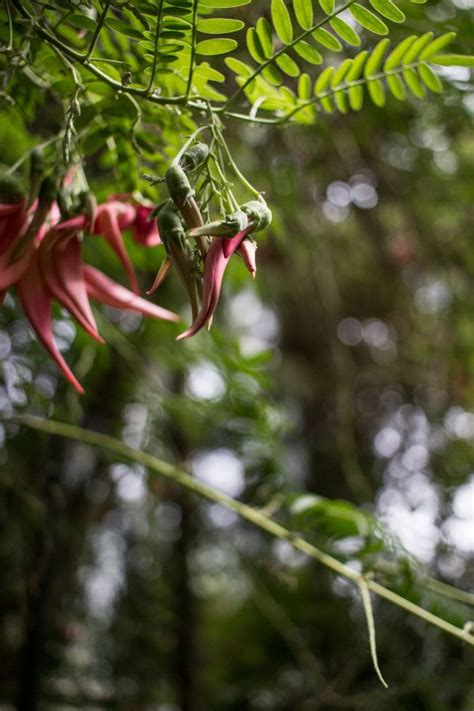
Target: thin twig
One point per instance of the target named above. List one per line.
(193, 49)
(246, 512)
(100, 24)
(155, 49)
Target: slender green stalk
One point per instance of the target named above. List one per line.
(100, 24)
(235, 167)
(155, 50)
(193, 50)
(254, 516)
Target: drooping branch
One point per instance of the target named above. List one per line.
(257, 518)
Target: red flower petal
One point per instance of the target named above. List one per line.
(103, 289)
(36, 303)
(60, 261)
(107, 225)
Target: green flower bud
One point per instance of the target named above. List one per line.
(259, 213)
(178, 184)
(194, 157)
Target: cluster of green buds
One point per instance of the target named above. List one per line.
(199, 251)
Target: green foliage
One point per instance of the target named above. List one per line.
(153, 52)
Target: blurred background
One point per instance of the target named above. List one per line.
(345, 370)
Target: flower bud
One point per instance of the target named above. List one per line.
(194, 157)
(259, 213)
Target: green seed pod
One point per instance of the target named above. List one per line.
(259, 213)
(194, 157)
(11, 189)
(178, 184)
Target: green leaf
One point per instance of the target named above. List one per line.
(340, 73)
(205, 71)
(367, 19)
(326, 39)
(83, 22)
(304, 86)
(376, 92)
(213, 47)
(396, 86)
(417, 46)
(430, 79)
(356, 97)
(388, 9)
(64, 87)
(414, 83)
(376, 58)
(304, 13)
(453, 60)
(323, 81)
(321, 86)
(264, 32)
(219, 26)
(340, 101)
(437, 45)
(345, 31)
(334, 518)
(282, 21)
(124, 28)
(327, 6)
(238, 67)
(357, 65)
(308, 52)
(395, 57)
(254, 46)
(272, 75)
(288, 65)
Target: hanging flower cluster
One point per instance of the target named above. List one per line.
(41, 257)
(41, 248)
(180, 220)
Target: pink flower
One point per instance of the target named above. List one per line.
(56, 271)
(14, 222)
(217, 259)
(115, 216)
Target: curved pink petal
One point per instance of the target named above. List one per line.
(214, 269)
(60, 261)
(215, 265)
(12, 224)
(103, 289)
(107, 225)
(36, 303)
(247, 249)
(161, 275)
(10, 273)
(79, 222)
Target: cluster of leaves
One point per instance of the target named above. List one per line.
(169, 53)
